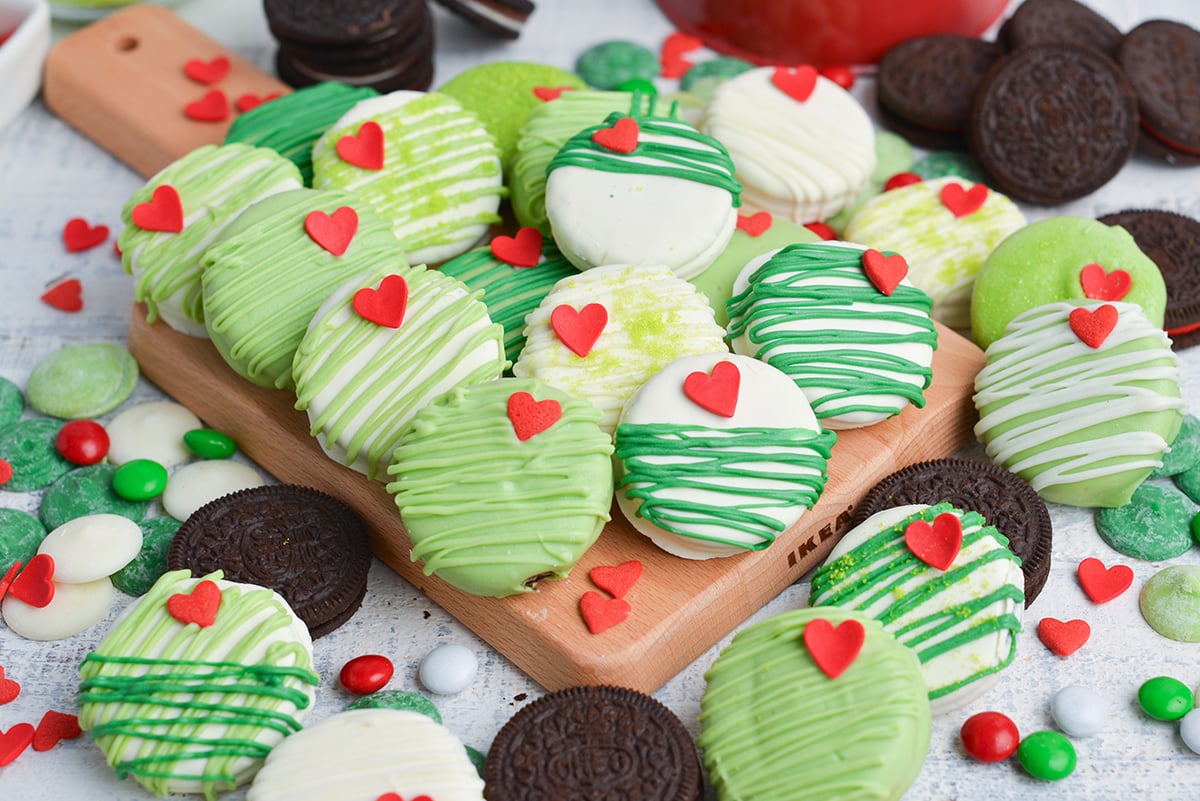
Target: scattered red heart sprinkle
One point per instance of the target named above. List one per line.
(548, 93)
(333, 232)
(622, 137)
(901, 179)
(34, 585)
(755, 224)
(1093, 327)
(206, 72)
(1063, 637)
(9, 575)
(213, 107)
(522, 250)
(579, 330)
(9, 689)
(53, 727)
(250, 101)
(841, 75)
(364, 150)
(79, 236)
(716, 393)
(1101, 583)
(797, 83)
(366, 674)
(600, 613)
(936, 545)
(65, 295)
(14, 742)
(531, 417)
(199, 606)
(823, 230)
(618, 580)
(384, 306)
(885, 272)
(834, 649)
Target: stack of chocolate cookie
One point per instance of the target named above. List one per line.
(384, 44)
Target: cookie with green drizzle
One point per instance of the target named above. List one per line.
(718, 454)
(642, 189)
(943, 582)
(165, 237)
(196, 683)
(844, 323)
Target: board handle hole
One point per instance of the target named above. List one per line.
(127, 43)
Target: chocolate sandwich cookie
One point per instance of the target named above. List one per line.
(1004, 499)
(307, 546)
(928, 84)
(502, 17)
(1040, 22)
(593, 743)
(1162, 60)
(1172, 241)
(1053, 123)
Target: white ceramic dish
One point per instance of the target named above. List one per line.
(22, 54)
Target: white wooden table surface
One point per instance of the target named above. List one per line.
(49, 173)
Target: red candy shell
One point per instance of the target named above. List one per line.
(82, 442)
(990, 737)
(366, 674)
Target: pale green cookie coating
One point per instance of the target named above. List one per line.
(498, 525)
(12, 402)
(1042, 263)
(82, 381)
(256, 308)
(1170, 602)
(137, 577)
(398, 699)
(1185, 450)
(28, 445)
(1155, 525)
(86, 491)
(609, 64)
(20, 535)
(501, 95)
(774, 727)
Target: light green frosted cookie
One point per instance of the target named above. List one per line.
(20, 535)
(1155, 525)
(28, 446)
(86, 491)
(12, 402)
(423, 162)
(213, 185)
(496, 526)
(1170, 602)
(82, 381)
(862, 735)
(945, 251)
(1052, 260)
(267, 275)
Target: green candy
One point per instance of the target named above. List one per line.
(1170, 601)
(397, 699)
(1165, 698)
(209, 444)
(610, 64)
(137, 577)
(20, 535)
(1185, 450)
(81, 381)
(140, 480)
(639, 85)
(1154, 525)
(29, 447)
(12, 402)
(721, 68)
(945, 163)
(87, 491)
(1047, 755)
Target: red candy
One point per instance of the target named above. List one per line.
(840, 75)
(366, 674)
(901, 179)
(990, 737)
(82, 442)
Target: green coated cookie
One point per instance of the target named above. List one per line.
(81, 381)
(20, 535)
(1154, 525)
(28, 446)
(893, 154)
(397, 699)
(946, 162)
(12, 402)
(722, 68)
(1185, 451)
(609, 64)
(86, 491)
(1170, 602)
(137, 577)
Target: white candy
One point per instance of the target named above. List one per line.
(448, 669)
(1080, 711)
(1189, 730)
(196, 484)
(75, 607)
(151, 431)
(92, 547)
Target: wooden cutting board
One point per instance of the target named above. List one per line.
(121, 82)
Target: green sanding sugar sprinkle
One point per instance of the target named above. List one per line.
(397, 699)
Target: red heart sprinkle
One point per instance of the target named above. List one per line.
(548, 93)
(364, 150)
(206, 72)
(1063, 638)
(9, 689)
(717, 393)
(674, 66)
(616, 581)
(834, 648)
(823, 230)
(1101, 583)
(885, 272)
(199, 607)
(1100, 285)
(34, 585)
(250, 101)
(902, 179)
(679, 43)
(600, 613)
(841, 75)
(14, 742)
(755, 224)
(797, 83)
(530, 417)
(579, 330)
(396, 797)
(10, 574)
(962, 202)
(213, 107)
(523, 250)
(55, 726)
(935, 545)
(1093, 326)
(332, 232)
(65, 295)
(384, 306)
(164, 211)
(79, 236)
(622, 137)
